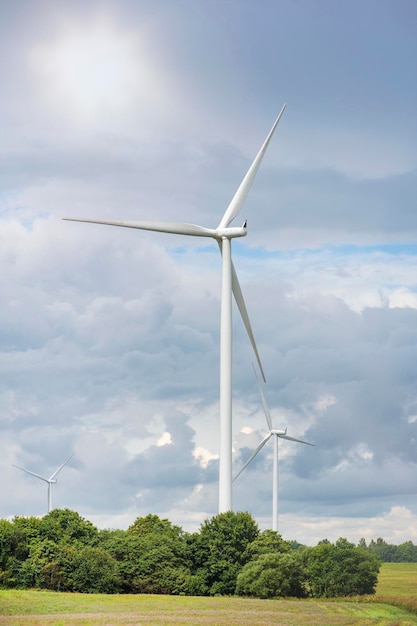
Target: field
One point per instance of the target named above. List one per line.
(398, 579)
(397, 585)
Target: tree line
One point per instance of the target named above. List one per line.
(228, 555)
(389, 553)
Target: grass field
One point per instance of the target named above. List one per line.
(398, 584)
(398, 579)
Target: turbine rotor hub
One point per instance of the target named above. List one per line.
(231, 233)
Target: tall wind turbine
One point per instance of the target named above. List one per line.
(276, 434)
(223, 234)
(51, 480)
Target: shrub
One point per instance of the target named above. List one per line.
(272, 575)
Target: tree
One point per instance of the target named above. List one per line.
(8, 545)
(383, 550)
(66, 526)
(93, 570)
(153, 556)
(16, 539)
(154, 525)
(220, 550)
(267, 542)
(407, 552)
(26, 530)
(340, 569)
(389, 553)
(44, 566)
(272, 575)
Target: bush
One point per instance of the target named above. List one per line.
(272, 575)
(92, 570)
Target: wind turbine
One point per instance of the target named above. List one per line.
(276, 434)
(51, 480)
(223, 234)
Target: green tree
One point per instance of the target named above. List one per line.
(126, 550)
(153, 556)
(154, 525)
(384, 551)
(340, 569)
(30, 526)
(220, 550)
(44, 567)
(407, 552)
(8, 545)
(16, 538)
(389, 553)
(272, 575)
(267, 542)
(26, 531)
(66, 526)
(93, 570)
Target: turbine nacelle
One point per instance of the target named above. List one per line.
(231, 232)
(281, 432)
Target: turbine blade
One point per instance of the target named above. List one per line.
(253, 455)
(243, 190)
(31, 473)
(60, 467)
(237, 292)
(264, 404)
(297, 440)
(176, 228)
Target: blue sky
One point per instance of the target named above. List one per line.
(109, 341)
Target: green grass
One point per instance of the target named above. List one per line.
(46, 608)
(396, 587)
(397, 579)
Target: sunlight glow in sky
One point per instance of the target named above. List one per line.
(94, 69)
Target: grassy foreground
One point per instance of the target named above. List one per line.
(397, 585)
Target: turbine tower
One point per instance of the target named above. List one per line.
(276, 434)
(51, 480)
(223, 234)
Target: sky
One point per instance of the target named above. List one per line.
(109, 337)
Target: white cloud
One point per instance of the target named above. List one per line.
(203, 456)
(395, 526)
(164, 440)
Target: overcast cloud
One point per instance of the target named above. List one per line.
(109, 338)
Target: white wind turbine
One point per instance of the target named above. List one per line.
(276, 434)
(223, 234)
(51, 480)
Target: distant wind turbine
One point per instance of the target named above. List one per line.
(223, 234)
(51, 480)
(276, 434)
